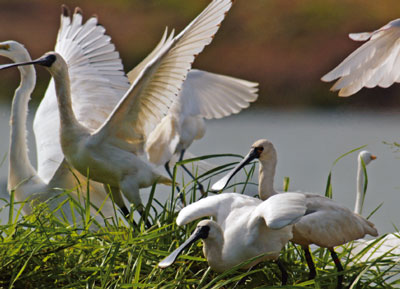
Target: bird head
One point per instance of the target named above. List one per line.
(14, 51)
(262, 149)
(366, 156)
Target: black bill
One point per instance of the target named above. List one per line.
(201, 232)
(222, 183)
(46, 60)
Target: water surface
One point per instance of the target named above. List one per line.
(307, 143)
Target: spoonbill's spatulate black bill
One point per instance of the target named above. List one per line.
(201, 232)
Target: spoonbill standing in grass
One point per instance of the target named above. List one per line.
(326, 224)
(109, 153)
(242, 228)
(375, 63)
(23, 179)
(388, 245)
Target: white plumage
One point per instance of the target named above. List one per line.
(387, 245)
(364, 158)
(204, 95)
(375, 63)
(326, 223)
(108, 152)
(242, 227)
(23, 178)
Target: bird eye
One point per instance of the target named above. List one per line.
(4, 46)
(259, 149)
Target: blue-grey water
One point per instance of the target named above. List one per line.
(307, 142)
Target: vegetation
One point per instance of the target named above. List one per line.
(43, 250)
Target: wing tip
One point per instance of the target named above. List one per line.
(65, 10)
(78, 10)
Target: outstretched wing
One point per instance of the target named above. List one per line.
(97, 84)
(375, 63)
(158, 84)
(280, 210)
(217, 206)
(215, 96)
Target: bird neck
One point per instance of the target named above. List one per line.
(360, 188)
(212, 250)
(266, 178)
(70, 128)
(63, 92)
(20, 167)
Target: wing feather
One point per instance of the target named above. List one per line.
(375, 63)
(97, 84)
(215, 96)
(280, 210)
(217, 206)
(165, 72)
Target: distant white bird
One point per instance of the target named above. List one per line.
(375, 63)
(109, 153)
(326, 223)
(23, 178)
(242, 228)
(363, 159)
(388, 245)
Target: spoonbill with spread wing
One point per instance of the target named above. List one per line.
(326, 224)
(108, 154)
(242, 228)
(23, 179)
(204, 95)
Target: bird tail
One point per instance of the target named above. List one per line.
(162, 141)
(371, 229)
(165, 181)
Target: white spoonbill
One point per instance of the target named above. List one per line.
(242, 228)
(326, 224)
(389, 244)
(220, 97)
(99, 65)
(375, 63)
(23, 178)
(108, 154)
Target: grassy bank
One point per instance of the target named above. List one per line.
(43, 250)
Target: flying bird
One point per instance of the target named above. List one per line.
(375, 63)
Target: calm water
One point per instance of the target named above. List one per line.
(307, 142)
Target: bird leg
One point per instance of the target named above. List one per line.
(116, 196)
(283, 271)
(180, 194)
(200, 186)
(310, 262)
(338, 266)
(142, 214)
(125, 211)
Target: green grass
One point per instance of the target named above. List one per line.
(43, 250)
